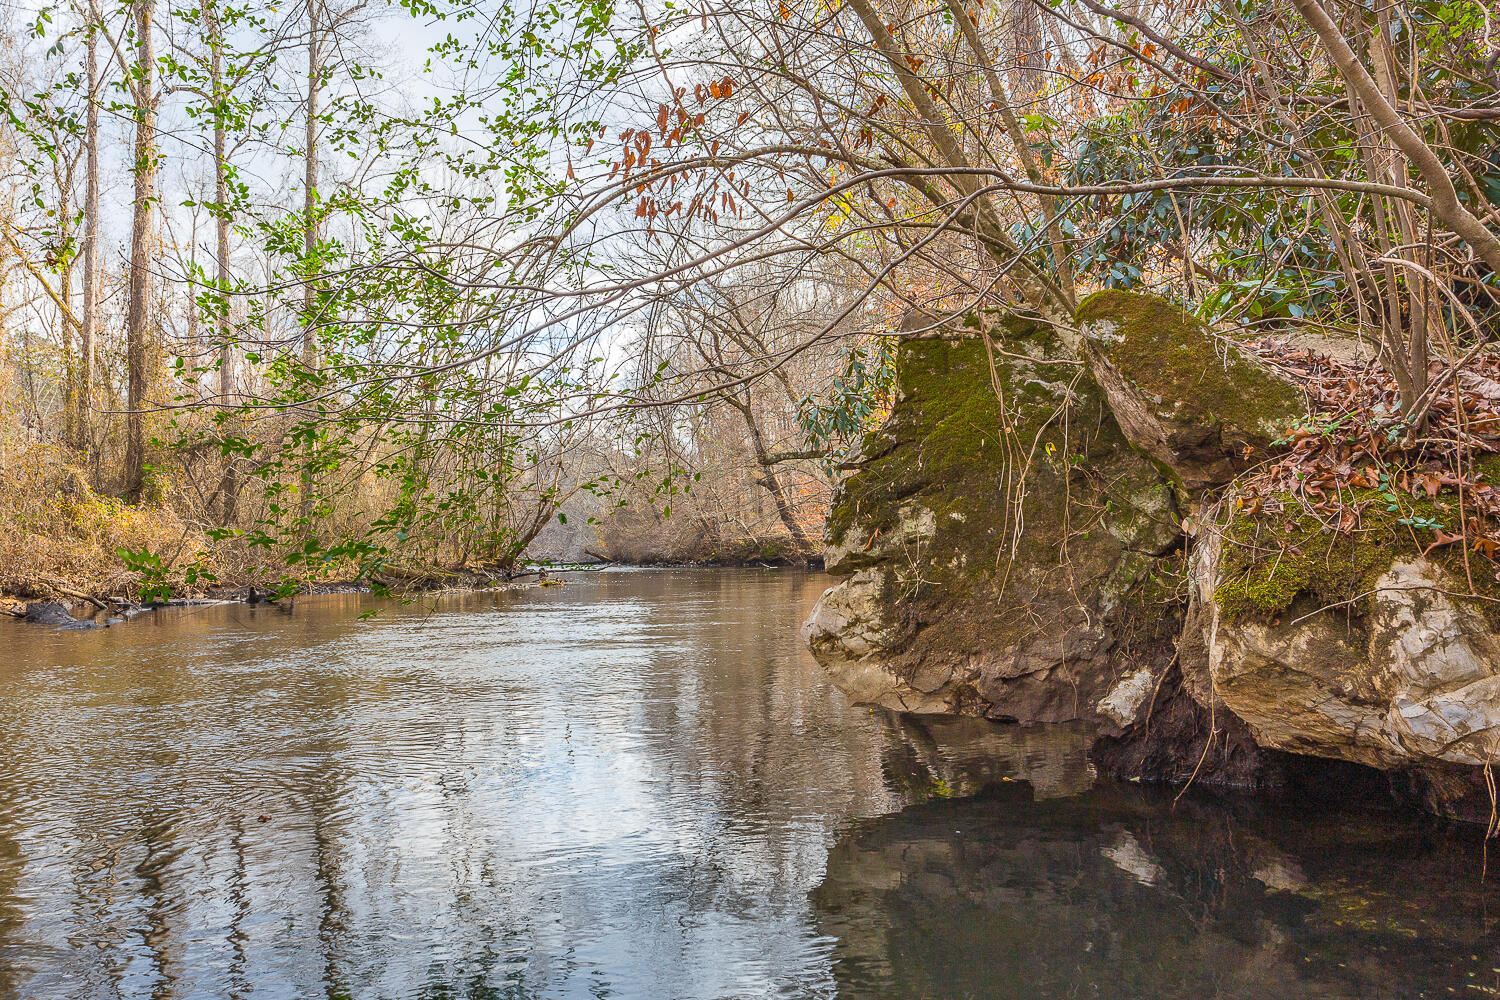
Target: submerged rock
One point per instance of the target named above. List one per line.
(54, 613)
(997, 531)
(1195, 402)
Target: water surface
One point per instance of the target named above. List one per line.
(639, 785)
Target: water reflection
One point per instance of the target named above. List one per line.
(637, 785)
(1115, 894)
(621, 787)
(935, 756)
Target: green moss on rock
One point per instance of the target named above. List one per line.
(1169, 354)
(1273, 564)
(1486, 468)
(1005, 513)
(1191, 402)
(965, 437)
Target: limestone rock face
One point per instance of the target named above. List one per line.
(1187, 399)
(997, 532)
(1403, 674)
(1010, 547)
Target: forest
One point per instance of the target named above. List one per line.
(416, 293)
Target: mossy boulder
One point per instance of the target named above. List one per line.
(1354, 644)
(998, 541)
(1193, 401)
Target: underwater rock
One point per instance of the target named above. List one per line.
(952, 755)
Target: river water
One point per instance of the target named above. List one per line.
(639, 785)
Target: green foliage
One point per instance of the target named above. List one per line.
(837, 419)
(403, 379)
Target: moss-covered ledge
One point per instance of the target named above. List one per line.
(1362, 642)
(1292, 560)
(1195, 402)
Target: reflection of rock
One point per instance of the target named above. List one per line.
(1127, 854)
(955, 755)
(1112, 895)
(993, 542)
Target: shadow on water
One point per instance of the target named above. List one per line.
(639, 785)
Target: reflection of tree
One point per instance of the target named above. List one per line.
(239, 898)
(481, 804)
(135, 767)
(11, 917)
(323, 804)
(162, 939)
(756, 732)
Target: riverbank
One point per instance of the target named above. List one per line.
(112, 610)
(62, 541)
(98, 613)
(65, 537)
(47, 603)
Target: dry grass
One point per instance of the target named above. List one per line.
(56, 532)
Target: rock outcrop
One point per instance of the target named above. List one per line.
(1373, 659)
(994, 540)
(1012, 547)
(1199, 404)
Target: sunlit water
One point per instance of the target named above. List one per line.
(640, 785)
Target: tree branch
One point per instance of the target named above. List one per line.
(1445, 203)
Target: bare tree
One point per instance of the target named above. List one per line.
(140, 318)
(91, 216)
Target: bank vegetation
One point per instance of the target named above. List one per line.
(344, 289)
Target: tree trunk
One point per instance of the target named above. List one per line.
(310, 229)
(91, 236)
(72, 417)
(1027, 50)
(770, 481)
(139, 318)
(1445, 201)
(223, 497)
(310, 184)
(1034, 285)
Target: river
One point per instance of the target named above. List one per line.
(640, 785)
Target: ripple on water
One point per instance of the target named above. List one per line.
(637, 785)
